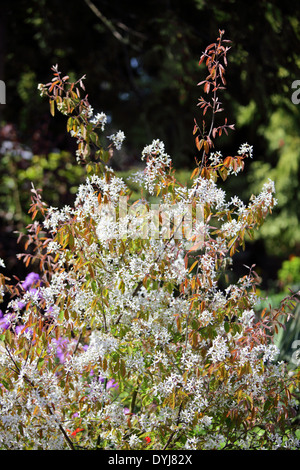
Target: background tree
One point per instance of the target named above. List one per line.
(141, 70)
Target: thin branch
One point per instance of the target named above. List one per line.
(106, 22)
(176, 430)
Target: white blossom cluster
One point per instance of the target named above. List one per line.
(56, 216)
(207, 191)
(86, 196)
(157, 160)
(117, 139)
(41, 89)
(246, 149)
(216, 158)
(99, 119)
(219, 349)
(265, 199)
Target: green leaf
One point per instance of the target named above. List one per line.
(52, 109)
(83, 131)
(267, 405)
(40, 362)
(122, 368)
(94, 138)
(4, 383)
(122, 286)
(71, 241)
(105, 156)
(61, 316)
(70, 124)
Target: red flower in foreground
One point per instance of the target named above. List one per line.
(76, 431)
(148, 439)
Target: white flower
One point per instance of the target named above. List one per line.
(191, 443)
(100, 118)
(246, 149)
(206, 191)
(89, 111)
(238, 203)
(219, 349)
(117, 139)
(62, 107)
(215, 158)
(156, 162)
(53, 247)
(206, 420)
(248, 317)
(2, 264)
(270, 353)
(269, 186)
(134, 441)
(42, 90)
(55, 216)
(136, 362)
(156, 150)
(206, 317)
(265, 199)
(230, 229)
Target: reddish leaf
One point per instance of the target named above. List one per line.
(206, 87)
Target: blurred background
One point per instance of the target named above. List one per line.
(141, 66)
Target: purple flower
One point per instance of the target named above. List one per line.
(110, 383)
(62, 348)
(20, 328)
(31, 291)
(61, 351)
(4, 321)
(31, 278)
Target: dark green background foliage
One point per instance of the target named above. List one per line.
(141, 66)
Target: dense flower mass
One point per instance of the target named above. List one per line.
(122, 336)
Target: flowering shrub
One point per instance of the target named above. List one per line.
(125, 340)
